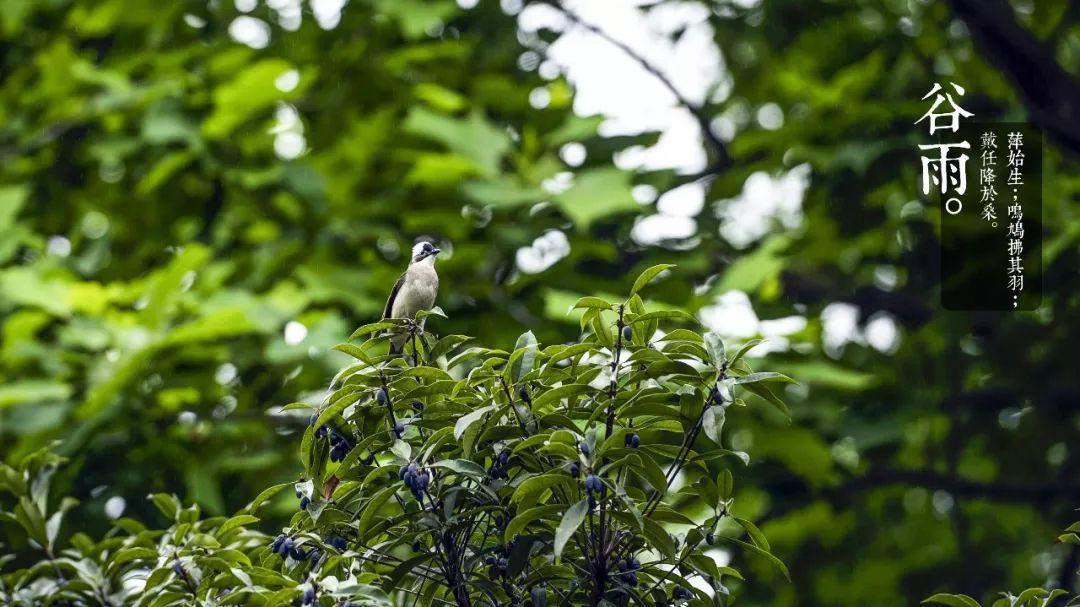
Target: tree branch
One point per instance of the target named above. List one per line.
(721, 159)
(961, 487)
(1051, 95)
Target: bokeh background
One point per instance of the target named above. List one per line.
(198, 199)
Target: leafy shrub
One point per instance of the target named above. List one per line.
(586, 473)
(1032, 597)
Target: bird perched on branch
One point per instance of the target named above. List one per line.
(414, 291)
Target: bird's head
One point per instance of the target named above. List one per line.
(424, 251)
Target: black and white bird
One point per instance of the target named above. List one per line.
(414, 291)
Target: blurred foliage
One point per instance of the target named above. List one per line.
(168, 282)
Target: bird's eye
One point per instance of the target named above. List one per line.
(427, 248)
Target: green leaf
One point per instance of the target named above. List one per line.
(575, 515)
(952, 600)
(713, 422)
(522, 520)
(523, 364)
(715, 347)
(766, 376)
(469, 419)
(648, 275)
(765, 555)
(664, 315)
(591, 302)
(534, 485)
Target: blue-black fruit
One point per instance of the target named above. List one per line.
(286, 547)
(309, 595)
(314, 555)
(338, 543)
(298, 554)
(575, 470)
(627, 333)
(584, 446)
(382, 396)
(504, 457)
(539, 596)
(304, 502)
(417, 405)
(399, 429)
(592, 503)
(276, 544)
(178, 569)
(523, 392)
(710, 538)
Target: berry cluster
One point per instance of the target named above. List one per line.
(416, 479)
(593, 484)
(337, 543)
(680, 593)
(498, 467)
(498, 562)
(632, 441)
(629, 568)
(339, 447)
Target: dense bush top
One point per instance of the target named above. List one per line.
(585, 473)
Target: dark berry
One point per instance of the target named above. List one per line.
(418, 406)
(503, 563)
(585, 450)
(178, 569)
(399, 429)
(382, 396)
(416, 546)
(368, 459)
(593, 483)
(592, 503)
(314, 555)
(321, 432)
(402, 471)
(635, 441)
(504, 457)
(304, 502)
(298, 554)
(523, 392)
(286, 547)
(275, 546)
(338, 543)
(634, 564)
(627, 333)
(309, 595)
(710, 539)
(575, 470)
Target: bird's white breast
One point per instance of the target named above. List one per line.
(418, 291)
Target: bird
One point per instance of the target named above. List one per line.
(415, 290)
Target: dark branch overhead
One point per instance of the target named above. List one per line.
(1051, 94)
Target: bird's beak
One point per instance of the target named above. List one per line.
(436, 251)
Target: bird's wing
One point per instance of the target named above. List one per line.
(393, 295)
